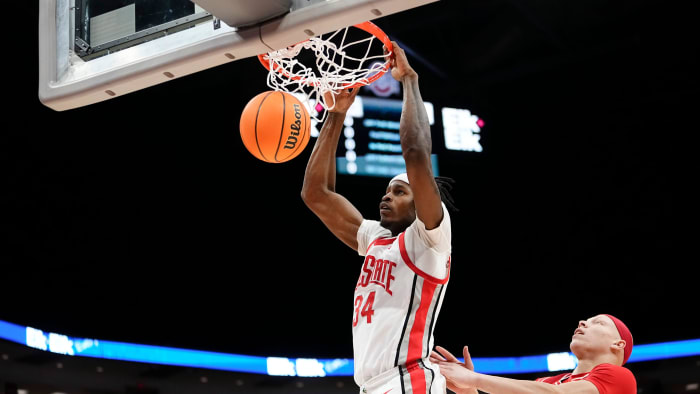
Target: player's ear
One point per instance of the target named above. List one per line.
(619, 344)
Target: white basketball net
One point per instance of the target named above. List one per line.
(334, 69)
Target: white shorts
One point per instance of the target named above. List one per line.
(420, 377)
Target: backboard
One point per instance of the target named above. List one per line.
(96, 50)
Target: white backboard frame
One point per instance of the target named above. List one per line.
(66, 81)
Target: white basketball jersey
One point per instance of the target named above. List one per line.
(398, 298)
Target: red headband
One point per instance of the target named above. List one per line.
(625, 334)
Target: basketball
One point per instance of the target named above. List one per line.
(275, 126)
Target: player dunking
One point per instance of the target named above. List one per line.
(407, 253)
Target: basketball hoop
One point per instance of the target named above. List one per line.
(337, 65)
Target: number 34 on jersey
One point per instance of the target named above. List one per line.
(364, 308)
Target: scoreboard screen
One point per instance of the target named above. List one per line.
(370, 142)
(370, 145)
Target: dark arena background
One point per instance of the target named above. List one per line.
(143, 219)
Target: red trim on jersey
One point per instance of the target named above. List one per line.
(417, 375)
(409, 263)
(380, 241)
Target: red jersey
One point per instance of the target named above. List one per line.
(607, 378)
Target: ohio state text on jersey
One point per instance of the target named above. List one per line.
(397, 299)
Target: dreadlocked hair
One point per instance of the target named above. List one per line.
(445, 185)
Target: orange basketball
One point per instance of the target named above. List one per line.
(275, 126)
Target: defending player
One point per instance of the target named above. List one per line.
(407, 253)
(602, 345)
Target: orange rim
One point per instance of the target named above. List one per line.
(370, 28)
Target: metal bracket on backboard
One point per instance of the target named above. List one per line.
(82, 48)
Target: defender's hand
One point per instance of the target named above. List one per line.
(459, 379)
(444, 357)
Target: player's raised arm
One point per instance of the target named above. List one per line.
(318, 191)
(416, 143)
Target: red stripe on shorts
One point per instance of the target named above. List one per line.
(417, 375)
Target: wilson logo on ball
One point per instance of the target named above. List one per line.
(296, 127)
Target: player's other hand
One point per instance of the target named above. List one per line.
(400, 69)
(341, 101)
